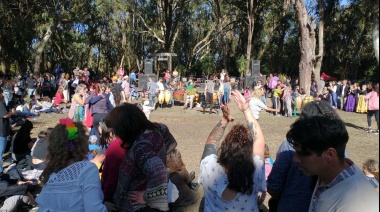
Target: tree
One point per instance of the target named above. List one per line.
(307, 44)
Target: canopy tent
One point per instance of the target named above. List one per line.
(326, 77)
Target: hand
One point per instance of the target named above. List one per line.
(240, 101)
(110, 206)
(137, 197)
(226, 113)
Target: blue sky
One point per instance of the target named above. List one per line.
(344, 2)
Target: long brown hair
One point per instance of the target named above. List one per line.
(236, 156)
(58, 149)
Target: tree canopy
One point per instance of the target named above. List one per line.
(207, 35)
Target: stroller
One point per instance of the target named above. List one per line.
(134, 93)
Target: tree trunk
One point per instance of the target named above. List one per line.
(375, 35)
(251, 22)
(40, 49)
(306, 45)
(321, 45)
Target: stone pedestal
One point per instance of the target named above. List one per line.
(143, 80)
(249, 80)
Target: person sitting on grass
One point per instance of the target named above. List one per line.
(181, 178)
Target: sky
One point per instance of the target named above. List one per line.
(344, 2)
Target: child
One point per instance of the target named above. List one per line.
(371, 170)
(59, 98)
(99, 156)
(247, 93)
(287, 98)
(182, 179)
(268, 160)
(92, 147)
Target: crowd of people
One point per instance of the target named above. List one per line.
(108, 156)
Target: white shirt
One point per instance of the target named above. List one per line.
(350, 191)
(255, 106)
(214, 181)
(160, 86)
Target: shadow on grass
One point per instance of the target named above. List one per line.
(355, 126)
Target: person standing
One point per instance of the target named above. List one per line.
(4, 127)
(227, 90)
(167, 78)
(132, 77)
(126, 88)
(373, 108)
(32, 84)
(342, 92)
(152, 90)
(209, 90)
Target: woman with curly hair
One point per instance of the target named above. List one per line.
(233, 176)
(70, 182)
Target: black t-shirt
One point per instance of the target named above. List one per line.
(40, 150)
(117, 87)
(4, 122)
(20, 146)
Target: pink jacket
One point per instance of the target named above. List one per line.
(373, 100)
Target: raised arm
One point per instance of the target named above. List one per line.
(217, 133)
(253, 125)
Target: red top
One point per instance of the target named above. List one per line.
(110, 174)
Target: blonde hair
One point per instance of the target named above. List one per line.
(257, 93)
(372, 167)
(80, 87)
(174, 161)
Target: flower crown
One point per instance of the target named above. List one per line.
(72, 131)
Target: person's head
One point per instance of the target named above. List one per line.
(235, 155)
(80, 88)
(150, 79)
(32, 97)
(247, 87)
(160, 79)
(62, 76)
(174, 161)
(364, 87)
(259, 83)
(267, 152)
(344, 82)
(318, 107)
(67, 76)
(93, 139)
(31, 74)
(127, 118)
(41, 135)
(67, 142)
(371, 167)
(376, 89)
(257, 93)
(106, 135)
(320, 143)
(60, 91)
(25, 129)
(98, 155)
(125, 78)
(114, 79)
